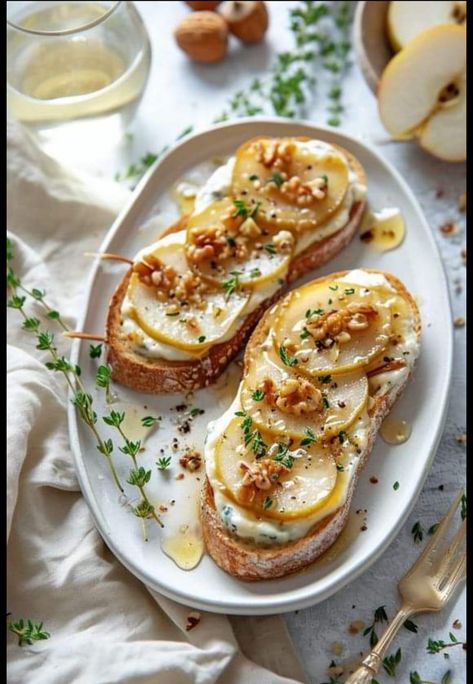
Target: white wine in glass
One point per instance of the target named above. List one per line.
(75, 68)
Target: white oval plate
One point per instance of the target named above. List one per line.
(416, 262)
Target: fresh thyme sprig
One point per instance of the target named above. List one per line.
(14, 282)
(320, 32)
(379, 616)
(45, 342)
(391, 662)
(83, 401)
(103, 377)
(138, 476)
(27, 631)
(434, 646)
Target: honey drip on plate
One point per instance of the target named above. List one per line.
(185, 549)
(384, 230)
(395, 431)
(184, 195)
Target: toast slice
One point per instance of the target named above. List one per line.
(247, 560)
(156, 375)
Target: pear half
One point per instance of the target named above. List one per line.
(422, 92)
(408, 18)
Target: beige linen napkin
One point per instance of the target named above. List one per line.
(105, 625)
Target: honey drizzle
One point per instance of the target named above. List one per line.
(384, 230)
(395, 431)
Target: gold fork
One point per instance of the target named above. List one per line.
(427, 586)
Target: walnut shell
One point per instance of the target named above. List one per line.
(248, 21)
(203, 5)
(203, 36)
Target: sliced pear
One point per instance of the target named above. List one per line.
(339, 402)
(300, 491)
(408, 18)
(259, 263)
(392, 359)
(444, 134)
(169, 250)
(192, 328)
(252, 182)
(297, 347)
(418, 84)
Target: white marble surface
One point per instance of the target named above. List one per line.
(179, 94)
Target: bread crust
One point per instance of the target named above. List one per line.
(251, 562)
(159, 376)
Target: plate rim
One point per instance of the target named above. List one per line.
(271, 603)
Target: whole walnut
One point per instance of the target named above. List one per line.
(248, 21)
(202, 5)
(203, 36)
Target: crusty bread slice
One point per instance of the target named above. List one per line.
(157, 376)
(247, 561)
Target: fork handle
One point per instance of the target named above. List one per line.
(371, 663)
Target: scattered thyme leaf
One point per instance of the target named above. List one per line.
(417, 532)
(95, 351)
(164, 462)
(233, 283)
(411, 626)
(27, 631)
(286, 358)
(391, 662)
(149, 421)
(309, 438)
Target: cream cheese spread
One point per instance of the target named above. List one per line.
(242, 522)
(217, 187)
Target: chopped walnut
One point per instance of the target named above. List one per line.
(449, 228)
(296, 396)
(206, 243)
(151, 270)
(304, 193)
(192, 460)
(274, 153)
(249, 228)
(193, 620)
(261, 475)
(283, 241)
(187, 287)
(193, 325)
(339, 324)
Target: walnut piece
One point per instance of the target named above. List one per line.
(206, 243)
(338, 325)
(283, 241)
(193, 620)
(203, 36)
(261, 475)
(304, 193)
(274, 153)
(192, 460)
(295, 396)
